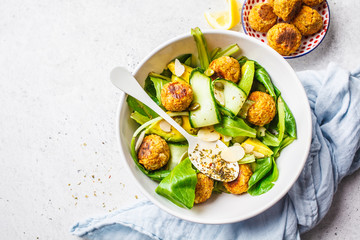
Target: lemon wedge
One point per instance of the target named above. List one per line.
(225, 19)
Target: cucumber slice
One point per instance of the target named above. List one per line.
(247, 76)
(207, 114)
(233, 98)
(177, 152)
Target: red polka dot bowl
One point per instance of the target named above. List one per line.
(308, 43)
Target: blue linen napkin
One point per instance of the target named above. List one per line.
(334, 97)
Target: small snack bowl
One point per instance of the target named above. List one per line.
(308, 43)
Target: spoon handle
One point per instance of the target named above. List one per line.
(125, 81)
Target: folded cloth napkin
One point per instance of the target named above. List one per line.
(334, 97)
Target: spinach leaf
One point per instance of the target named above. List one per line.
(257, 86)
(158, 175)
(153, 85)
(179, 185)
(277, 92)
(266, 183)
(158, 85)
(234, 127)
(242, 60)
(188, 62)
(141, 108)
(263, 166)
(150, 89)
(139, 118)
(284, 143)
(270, 139)
(290, 124)
(263, 77)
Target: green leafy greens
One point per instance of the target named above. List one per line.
(201, 47)
(179, 185)
(234, 127)
(140, 108)
(266, 183)
(263, 166)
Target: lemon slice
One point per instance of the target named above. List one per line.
(225, 19)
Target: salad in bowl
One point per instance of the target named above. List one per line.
(172, 187)
(220, 95)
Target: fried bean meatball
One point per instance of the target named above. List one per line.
(285, 38)
(287, 9)
(312, 3)
(262, 17)
(226, 67)
(263, 110)
(240, 184)
(308, 21)
(176, 96)
(203, 189)
(154, 152)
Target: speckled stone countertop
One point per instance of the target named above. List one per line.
(60, 160)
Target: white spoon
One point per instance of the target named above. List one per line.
(205, 156)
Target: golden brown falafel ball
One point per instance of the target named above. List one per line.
(287, 9)
(308, 21)
(262, 17)
(226, 67)
(312, 3)
(176, 96)
(263, 110)
(154, 152)
(203, 189)
(285, 38)
(240, 184)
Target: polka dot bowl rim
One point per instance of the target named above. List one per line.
(313, 47)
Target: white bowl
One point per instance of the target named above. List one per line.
(226, 208)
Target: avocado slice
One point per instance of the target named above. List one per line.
(258, 146)
(187, 126)
(174, 135)
(185, 76)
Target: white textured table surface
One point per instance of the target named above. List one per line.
(59, 157)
